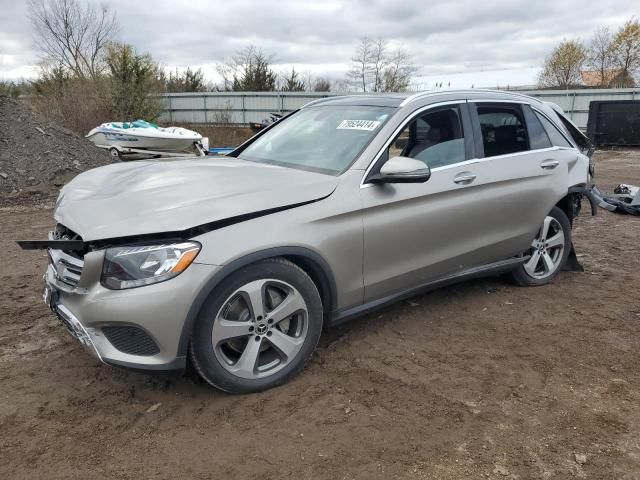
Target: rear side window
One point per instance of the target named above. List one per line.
(555, 136)
(503, 129)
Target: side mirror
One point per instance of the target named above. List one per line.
(402, 170)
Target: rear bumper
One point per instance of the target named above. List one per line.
(593, 194)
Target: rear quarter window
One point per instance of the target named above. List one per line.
(556, 137)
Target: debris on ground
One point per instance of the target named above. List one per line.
(624, 189)
(153, 407)
(37, 156)
(625, 199)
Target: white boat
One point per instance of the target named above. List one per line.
(141, 136)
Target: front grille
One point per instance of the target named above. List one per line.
(67, 264)
(68, 268)
(131, 340)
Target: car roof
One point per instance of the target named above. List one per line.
(398, 100)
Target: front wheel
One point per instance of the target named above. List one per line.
(548, 252)
(258, 328)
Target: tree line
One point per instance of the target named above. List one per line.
(87, 77)
(607, 60)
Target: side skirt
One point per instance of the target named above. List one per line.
(495, 268)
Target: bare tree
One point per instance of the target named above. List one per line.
(71, 34)
(361, 68)
(562, 69)
(379, 63)
(626, 50)
(248, 70)
(399, 71)
(376, 69)
(600, 56)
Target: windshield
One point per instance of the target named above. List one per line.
(324, 138)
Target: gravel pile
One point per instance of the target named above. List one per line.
(38, 157)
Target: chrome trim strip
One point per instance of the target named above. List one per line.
(490, 100)
(466, 162)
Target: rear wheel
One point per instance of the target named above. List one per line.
(258, 329)
(548, 252)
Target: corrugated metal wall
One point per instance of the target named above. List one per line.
(575, 103)
(242, 108)
(247, 107)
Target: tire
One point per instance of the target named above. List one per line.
(115, 153)
(246, 339)
(547, 254)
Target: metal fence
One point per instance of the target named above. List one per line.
(247, 107)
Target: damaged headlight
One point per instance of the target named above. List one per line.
(135, 266)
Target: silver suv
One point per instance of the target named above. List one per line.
(236, 263)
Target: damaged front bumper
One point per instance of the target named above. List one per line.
(51, 297)
(138, 328)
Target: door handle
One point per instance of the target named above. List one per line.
(549, 164)
(464, 178)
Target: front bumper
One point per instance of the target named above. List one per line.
(159, 310)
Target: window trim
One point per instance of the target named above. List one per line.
(467, 129)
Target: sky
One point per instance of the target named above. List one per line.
(459, 43)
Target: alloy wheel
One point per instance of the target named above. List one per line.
(260, 328)
(546, 252)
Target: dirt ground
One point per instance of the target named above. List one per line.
(479, 380)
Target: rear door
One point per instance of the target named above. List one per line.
(524, 174)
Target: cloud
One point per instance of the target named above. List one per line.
(443, 37)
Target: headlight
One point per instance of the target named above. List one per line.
(135, 266)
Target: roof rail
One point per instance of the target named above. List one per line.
(415, 96)
(418, 95)
(320, 100)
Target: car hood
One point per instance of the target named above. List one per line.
(146, 197)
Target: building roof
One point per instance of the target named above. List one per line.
(593, 78)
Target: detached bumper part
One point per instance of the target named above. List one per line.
(594, 195)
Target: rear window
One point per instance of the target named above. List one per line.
(553, 132)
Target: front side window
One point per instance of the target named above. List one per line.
(325, 138)
(436, 138)
(503, 129)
